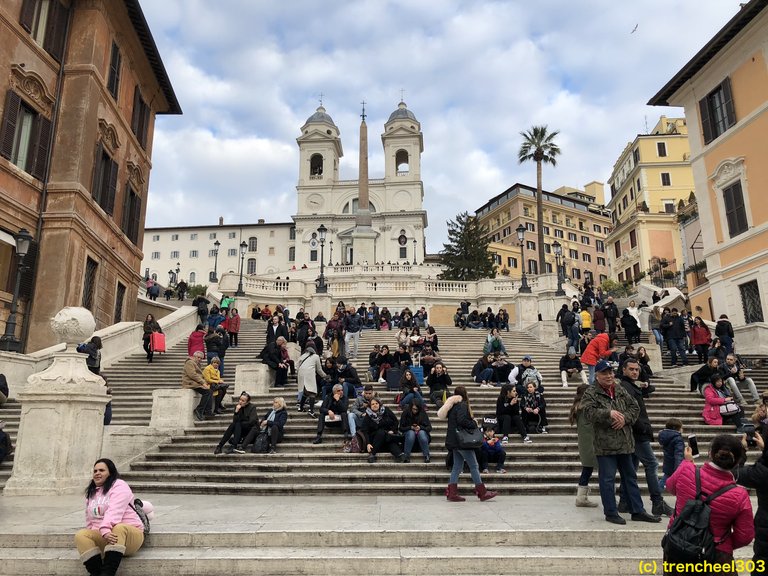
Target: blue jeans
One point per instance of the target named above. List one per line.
(485, 375)
(586, 475)
(591, 377)
(676, 345)
(354, 421)
(607, 466)
(574, 336)
(459, 457)
(410, 440)
(657, 335)
(644, 454)
(408, 398)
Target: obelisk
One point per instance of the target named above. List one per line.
(363, 236)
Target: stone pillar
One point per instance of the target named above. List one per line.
(62, 417)
(527, 310)
(321, 302)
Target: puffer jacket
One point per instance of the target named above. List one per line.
(731, 513)
(597, 350)
(597, 405)
(458, 417)
(712, 403)
(674, 450)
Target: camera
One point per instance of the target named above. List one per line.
(694, 444)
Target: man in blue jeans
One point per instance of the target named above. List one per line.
(612, 412)
(673, 327)
(643, 433)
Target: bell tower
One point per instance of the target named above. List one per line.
(319, 151)
(403, 145)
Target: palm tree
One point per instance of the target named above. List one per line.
(538, 145)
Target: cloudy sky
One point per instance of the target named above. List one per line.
(248, 73)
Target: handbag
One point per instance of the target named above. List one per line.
(729, 408)
(469, 439)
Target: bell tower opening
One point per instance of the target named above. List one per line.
(401, 162)
(316, 166)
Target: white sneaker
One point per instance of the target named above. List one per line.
(544, 430)
(527, 440)
(565, 385)
(382, 381)
(318, 403)
(505, 440)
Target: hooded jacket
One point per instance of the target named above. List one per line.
(674, 450)
(104, 511)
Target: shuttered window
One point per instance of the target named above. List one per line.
(735, 211)
(25, 136)
(140, 118)
(131, 214)
(717, 111)
(104, 180)
(89, 283)
(113, 80)
(46, 21)
(119, 298)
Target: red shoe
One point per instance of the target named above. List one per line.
(452, 493)
(483, 493)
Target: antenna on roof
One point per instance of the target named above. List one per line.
(363, 114)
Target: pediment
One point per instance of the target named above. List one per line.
(109, 136)
(32, 85)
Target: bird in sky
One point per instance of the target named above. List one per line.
(634, 29)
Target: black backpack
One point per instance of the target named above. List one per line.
(689, 538)
(569, 318)
(261, 443)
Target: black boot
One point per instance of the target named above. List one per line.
(111, 563)
(93, 564)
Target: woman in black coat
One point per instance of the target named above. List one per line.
(631, 329)
(380, 426)
(702, 376)
(508, 415)
(459, 414)
(756, 476)
(415, 425)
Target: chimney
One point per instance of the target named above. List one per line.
(221, 220)
(261, 220)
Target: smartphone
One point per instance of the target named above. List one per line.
(694, 444)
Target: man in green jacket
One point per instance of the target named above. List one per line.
(612, 411)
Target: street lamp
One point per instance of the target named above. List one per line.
(524, 288)
(330, 253)
(170, 277)
(8, 341)
(321, 287)
(414, 251)
(216, 261)
(243, 248)
(558, 250)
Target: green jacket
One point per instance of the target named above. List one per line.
(597, 406)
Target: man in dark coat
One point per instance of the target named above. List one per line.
(611, 313)
(673, 328)
(275, 329)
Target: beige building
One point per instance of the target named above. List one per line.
(82, 83)
(574, 218)
(724, 91)
(649, 179)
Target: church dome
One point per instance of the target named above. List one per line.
(321, 117)
(402, 113)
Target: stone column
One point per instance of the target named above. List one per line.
(527, 310)
(62, 417)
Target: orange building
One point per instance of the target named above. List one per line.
(724, 90)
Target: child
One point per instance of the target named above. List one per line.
(492, 451)
(671, 439)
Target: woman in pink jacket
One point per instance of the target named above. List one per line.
(716, 398)
(112, 526)
(731, 512)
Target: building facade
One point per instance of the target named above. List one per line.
(724, 91)
(82, 84)
(574, 218)
(649, 179)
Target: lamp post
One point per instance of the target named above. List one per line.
(178, 272)
(8, 341)
(321, 287)
(216, 261)
(330, 253)
(524, 288)
(170, 277)
(558, 250)
(414, 251)
(243, 248)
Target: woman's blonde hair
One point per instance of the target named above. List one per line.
(281, 401)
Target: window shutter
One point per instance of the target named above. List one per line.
(144, 124)
(97, 176)
(56, 30)
(10, 119)
(126, 220)
(135, 219)
(730, 111)
(114, 71)
(136, 110)
(109, 204)
(41, 145)
(26, 284)
(705, 125)
(28, 14)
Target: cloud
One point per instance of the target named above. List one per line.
(248, 74)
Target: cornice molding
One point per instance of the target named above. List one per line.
(32, 85)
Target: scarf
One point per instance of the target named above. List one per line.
(375, 416)
(271, 417)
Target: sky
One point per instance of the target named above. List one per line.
(248, 73)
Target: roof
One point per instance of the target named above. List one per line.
(214, 227)
(321, 116)
(153, 56)
(735, 25)
(402, 113)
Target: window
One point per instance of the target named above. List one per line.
(251, 266)
(669, 206)
(530, 227)
(546, 230)
(271, 251)
(665, 179)
(511, 262)
(569, 222)
(571, 237)
(600, 261)
(252, 244)
(211, 276)
(316, 166)
(547, 249)
(313, 255)
(548, 267)
(155, 255)
(554, 219)
(576, 273)
(403, 253)
(497, 259)
(606, 230)
(292, 254)
(621, 276)
(617, 248)
(174, 237)
(140, 118)
(585, 240)
(193, 236)
(661, 149)
(175, 254)
(131, 214)
(193, 253)
(636, 155)
(212, 236)
(530, 245)
(624, 203)
(599, 245)
(113, 80)
(507, 231)
(292, 233)
(354, 205)
(526, 211)
(597, 228)
(636, 271)
(25, 136)
(271, 233)
(89, 283)
(533, 267)
(582, 226)
(735, 213)
(558, 233)
(119, 298)
(717, 111)
(104, 180)
(232, 252)
(232, 235)
(638, 187)
(46, 21)
(192, 277)
(211, 253)
(156, 238)
(750, 302)
(631, 193)
(632, 239)
(573, 254)
(586, 257)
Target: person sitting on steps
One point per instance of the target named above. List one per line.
(415, 425)
(333, 409)
(244, 419)
(380, 426)
(508, 415)
(571, 365)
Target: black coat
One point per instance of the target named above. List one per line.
(273, 334)
(281, 417)
(673, 327)
(505, 408)
(756, 477)
(642, 429)
(387, 422)
(409, 419)
(272, 355)
(247, 415)
(567, 362)
(330, 404)
(458, 417)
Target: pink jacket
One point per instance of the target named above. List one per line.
(104, 511)
(731, 512)
(234, 324)
(196, 342)
(712, 403)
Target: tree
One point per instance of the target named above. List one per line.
(466, 256)
(538, 145)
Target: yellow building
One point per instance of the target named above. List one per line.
(576, 219)
(724, 90)
(648, 181)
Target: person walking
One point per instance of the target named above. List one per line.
(586, 436)
(150, 326)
